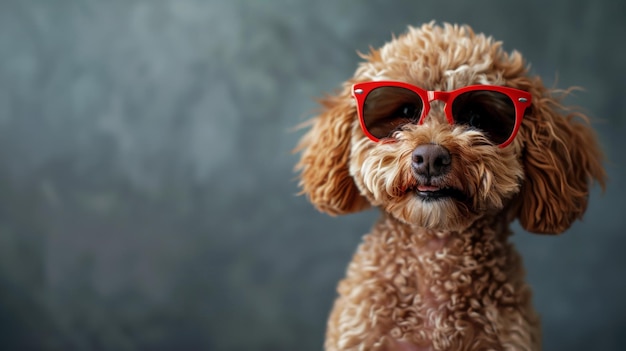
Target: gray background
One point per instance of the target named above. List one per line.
(146, 187)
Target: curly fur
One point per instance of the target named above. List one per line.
(442, 275)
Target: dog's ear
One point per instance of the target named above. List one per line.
(561, 160)
(325, 148)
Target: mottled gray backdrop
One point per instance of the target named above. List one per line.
(147, 200)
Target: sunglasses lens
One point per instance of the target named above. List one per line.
(491, 112)
(387, 109)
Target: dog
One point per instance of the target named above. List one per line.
(452, 139)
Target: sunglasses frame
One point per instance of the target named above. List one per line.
(521, 100)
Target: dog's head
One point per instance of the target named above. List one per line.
(455, 163)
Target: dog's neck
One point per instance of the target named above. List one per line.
(448, 264)
(485, 229)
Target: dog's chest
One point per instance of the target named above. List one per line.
(439, 293)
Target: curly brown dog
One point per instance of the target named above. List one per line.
(453, 140)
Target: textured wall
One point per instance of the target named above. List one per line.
(146, 186)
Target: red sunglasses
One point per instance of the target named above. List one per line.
(384, 107)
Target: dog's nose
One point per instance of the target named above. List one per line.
(431, 160)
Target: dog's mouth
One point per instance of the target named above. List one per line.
(430, 192)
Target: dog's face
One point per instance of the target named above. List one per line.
(444, 175)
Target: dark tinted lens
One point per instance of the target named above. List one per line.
(387, 109)
(491, 112)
